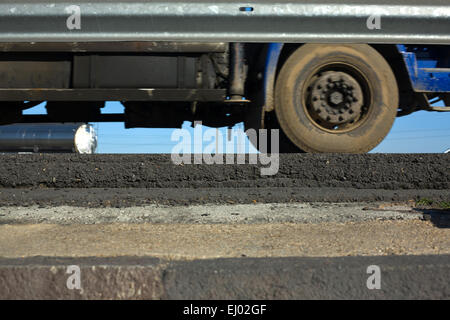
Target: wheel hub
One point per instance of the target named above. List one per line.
(336, 98)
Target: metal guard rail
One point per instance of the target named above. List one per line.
(332, 21)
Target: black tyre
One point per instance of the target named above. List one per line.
(336, 98)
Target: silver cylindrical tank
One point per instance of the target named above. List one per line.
(48, 137)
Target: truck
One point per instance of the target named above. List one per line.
(329, 75)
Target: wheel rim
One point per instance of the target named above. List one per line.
(337, 98)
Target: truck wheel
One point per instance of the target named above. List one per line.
(336, 98)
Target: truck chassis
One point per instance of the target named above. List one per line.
(332, 77)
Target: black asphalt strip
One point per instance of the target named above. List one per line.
(127, 180)
(381, 277)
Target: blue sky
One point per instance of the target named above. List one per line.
(420, 132)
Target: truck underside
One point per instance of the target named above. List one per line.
(336, 92)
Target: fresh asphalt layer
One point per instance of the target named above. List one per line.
(132, 197)
(376, 171)
(130, 180)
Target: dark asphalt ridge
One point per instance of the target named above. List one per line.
(369, 171)
(128, 180)
(129, 197)
(402, 277)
